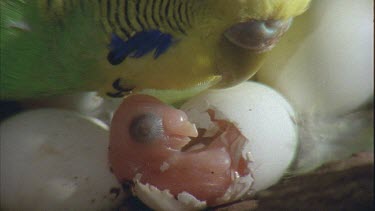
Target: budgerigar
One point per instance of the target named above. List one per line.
(52, 47)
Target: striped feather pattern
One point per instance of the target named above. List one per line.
(127, 17)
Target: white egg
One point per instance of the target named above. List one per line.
(87, 103)
(325, 62)
(56, 160)
(263, 116)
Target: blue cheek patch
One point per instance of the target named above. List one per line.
(139, 45)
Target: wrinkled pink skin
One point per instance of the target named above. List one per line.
(204, 173)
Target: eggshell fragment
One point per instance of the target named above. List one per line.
(164, 200)
(56, 160)
(263, 116)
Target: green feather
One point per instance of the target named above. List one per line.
(39, 52)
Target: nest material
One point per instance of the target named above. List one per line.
(341, 185)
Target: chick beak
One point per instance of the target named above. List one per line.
(182, 128)
(179, 132)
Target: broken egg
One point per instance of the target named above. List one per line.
(222, 146)
(56, 160)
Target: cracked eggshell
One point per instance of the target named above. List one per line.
(53, 160)
(263, 116)
(164, 200)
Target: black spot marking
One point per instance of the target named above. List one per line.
(116, 85)
(121, 91)
(115, 95)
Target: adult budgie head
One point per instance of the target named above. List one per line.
(115, 47)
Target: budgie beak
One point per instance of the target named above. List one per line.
(258, 35)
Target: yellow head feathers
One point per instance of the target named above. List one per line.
(273, 9)
(242, 10)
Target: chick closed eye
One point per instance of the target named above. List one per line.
(146, 128)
